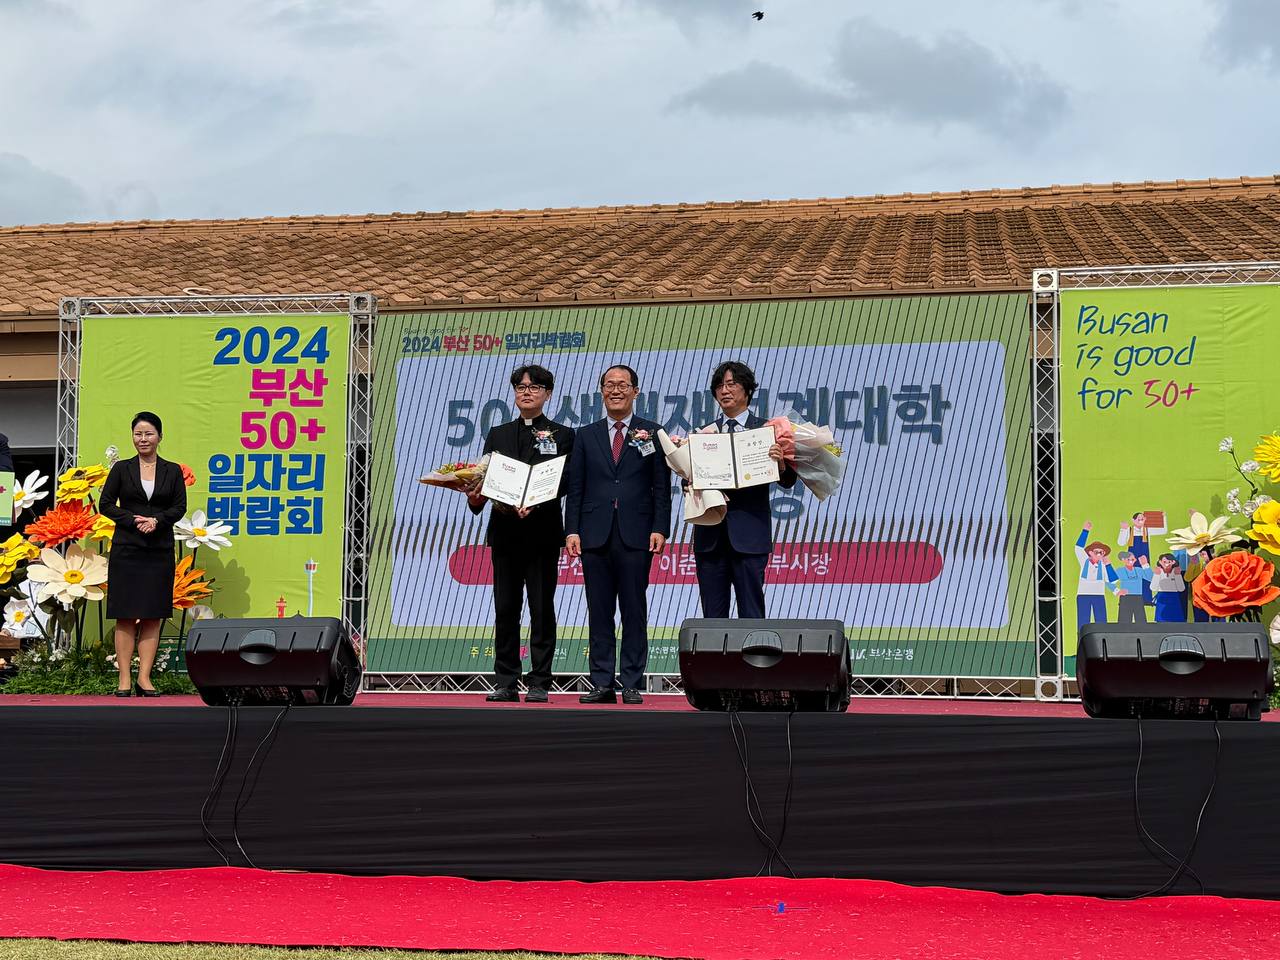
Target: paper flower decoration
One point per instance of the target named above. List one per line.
(111, 456)
(77, 576)
(68, 521)
(28, 492)
(188, 585)
(13, 553)
(1266, 527)
(1234, 583)
(102, 529)
(200, 531)
(1267, 455)
(1202, 534)
(76, 483)
(17, 614)
(201, 612)
(188, 477)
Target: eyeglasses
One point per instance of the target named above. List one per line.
(616, 386)
(529, 387)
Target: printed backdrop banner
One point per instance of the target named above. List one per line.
(1152, 381)
(922, 551)
(256, 406)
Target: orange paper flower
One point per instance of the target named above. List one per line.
(67, 522)
(188, 478)
(1233, 583)
(188, 587)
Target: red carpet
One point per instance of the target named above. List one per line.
(717, 919)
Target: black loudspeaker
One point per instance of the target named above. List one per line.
(1175, 670)
(765, 664)
(300, 660)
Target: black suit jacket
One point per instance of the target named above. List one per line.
(545, 525)
(747, 522)
(639, 485)
(123, 499)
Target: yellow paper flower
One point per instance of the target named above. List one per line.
(76, 483)
(1202, 534)
(76, 576)
(103, 529)
(1267, 453)
(1266, 526)
(13, 552)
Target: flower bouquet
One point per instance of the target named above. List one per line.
(811, 451)
(704, 508)
(459, 475)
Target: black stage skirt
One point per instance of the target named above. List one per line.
(139, 583)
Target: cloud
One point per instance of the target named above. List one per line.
(327, 22)
(954, 80)
(1247, 31)
(878, 72)
(39, 10)
(191, 93)
(686, 13)
(30, 194)
(763, 90)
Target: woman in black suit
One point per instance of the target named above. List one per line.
(145, 496)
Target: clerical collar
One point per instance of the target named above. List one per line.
(529, 422)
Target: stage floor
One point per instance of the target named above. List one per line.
(666, 703)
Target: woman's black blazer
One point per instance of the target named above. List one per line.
(123, 499)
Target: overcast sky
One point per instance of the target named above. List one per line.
(230, 108)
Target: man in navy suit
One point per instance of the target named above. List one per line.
(734, 552)
(617, 516)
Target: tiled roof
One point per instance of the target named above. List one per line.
(972, 240)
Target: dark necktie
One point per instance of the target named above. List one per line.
(617, 440)
(730, 426)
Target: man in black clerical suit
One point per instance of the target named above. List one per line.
(525, 543)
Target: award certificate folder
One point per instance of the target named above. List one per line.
(518, 484)
(729, 461)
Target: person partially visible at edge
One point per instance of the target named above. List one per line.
(145, 496)
(525, 544)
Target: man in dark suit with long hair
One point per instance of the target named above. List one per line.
(617, 516)
(734, 553)
(524, 544)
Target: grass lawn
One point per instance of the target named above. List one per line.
(95, 949)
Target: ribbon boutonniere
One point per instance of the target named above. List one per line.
(640, 437)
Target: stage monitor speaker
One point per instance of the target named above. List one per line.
(298, 660)
(1174, 670)
(765, 664)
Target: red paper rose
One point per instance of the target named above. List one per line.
(1233, 583)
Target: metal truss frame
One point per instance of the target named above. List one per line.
(362, 311)
(1046, 288)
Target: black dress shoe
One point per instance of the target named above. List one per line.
(599, 695)
(535, 695)
(504, 695)
(632, 696)
(145, 692)
(126, 692)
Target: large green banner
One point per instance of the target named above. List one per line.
(922, 552)
(256, 407)
(1163, 392)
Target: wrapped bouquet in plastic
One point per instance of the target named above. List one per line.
(811, 451)
(459, 475)
(703, 508)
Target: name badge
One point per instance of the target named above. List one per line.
(546, 447)
(646, 448)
